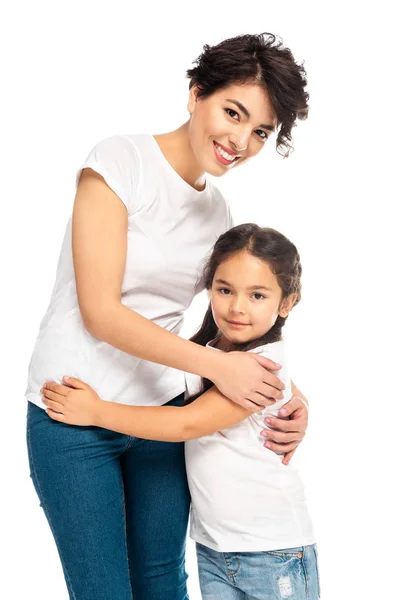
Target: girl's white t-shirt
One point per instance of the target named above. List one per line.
(171, 229)
(243, 498)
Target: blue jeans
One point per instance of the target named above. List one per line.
(117, 507)
(290, 573)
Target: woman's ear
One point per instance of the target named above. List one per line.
(192, 99)
(287, 305)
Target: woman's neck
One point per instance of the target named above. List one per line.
(177, 150)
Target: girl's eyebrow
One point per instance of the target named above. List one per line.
(246, 112)
(260, 287)
(253, 287)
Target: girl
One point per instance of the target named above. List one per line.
(249, 518)
(144, 218)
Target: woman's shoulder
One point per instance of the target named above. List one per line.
(120, 144)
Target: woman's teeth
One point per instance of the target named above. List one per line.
(225, 154)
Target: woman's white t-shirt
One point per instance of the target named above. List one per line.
(171, 229)
(243, 498)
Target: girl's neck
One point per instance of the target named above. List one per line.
(221, 343)
(177, 150)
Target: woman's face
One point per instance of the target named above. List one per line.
(230, 126)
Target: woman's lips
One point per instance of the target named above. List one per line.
(221, 158)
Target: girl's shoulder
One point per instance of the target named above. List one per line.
(274, 347)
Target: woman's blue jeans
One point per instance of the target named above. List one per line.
(117, 507)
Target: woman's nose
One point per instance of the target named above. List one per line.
(241, 140)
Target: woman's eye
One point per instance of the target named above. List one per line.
(261, 134)
(232, 113)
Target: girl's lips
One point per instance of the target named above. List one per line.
(237, 324)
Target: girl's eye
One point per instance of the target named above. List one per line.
(232, 113)
(258, 296)
(261, 133)
(223, 290)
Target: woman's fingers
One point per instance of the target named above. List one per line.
(288, 456)
(267, 363)
(281, 424)
(280, 448)
(268, 391)
(282, 437)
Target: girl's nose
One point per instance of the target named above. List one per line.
(238, 306)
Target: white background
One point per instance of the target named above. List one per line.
(74, 73)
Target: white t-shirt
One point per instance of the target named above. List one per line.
(171, 228)
(243, 498)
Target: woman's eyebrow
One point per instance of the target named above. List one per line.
(246, 112)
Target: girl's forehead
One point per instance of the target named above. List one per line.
(244, 268)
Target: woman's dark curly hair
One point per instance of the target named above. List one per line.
(263, 59)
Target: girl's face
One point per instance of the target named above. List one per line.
(246, 298)
(230, 126)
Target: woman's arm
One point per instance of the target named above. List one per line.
(99, 244)
(80, 405)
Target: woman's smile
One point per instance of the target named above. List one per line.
(224, 155)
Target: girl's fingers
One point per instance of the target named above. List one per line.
(52, 386)
(55, 415)
(75, 383)
(53, 405)
(52, 396)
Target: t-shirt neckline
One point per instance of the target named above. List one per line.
(171, 169)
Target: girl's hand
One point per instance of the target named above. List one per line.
(75, 403)
(243, 377)
(289, 429)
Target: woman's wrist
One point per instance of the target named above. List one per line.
(211, 365)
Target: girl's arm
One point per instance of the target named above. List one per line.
(80, 405)
(99, 245)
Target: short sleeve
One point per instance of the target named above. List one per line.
(116, 160)
(276, 352)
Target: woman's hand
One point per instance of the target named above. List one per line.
(288, 430)
(243, 377)
(75, 403)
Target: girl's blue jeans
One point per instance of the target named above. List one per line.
(117, 507)
(291, 573)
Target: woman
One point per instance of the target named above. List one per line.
(144, 218)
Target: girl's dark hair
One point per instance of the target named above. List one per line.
(263, 59)
(284, 261)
